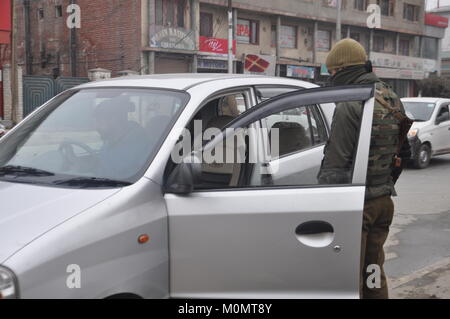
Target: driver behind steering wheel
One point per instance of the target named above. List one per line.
(124, 141)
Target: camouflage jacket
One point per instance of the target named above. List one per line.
(339, 153)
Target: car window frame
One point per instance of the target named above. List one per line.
(356, 180)
(265, 138)
(246, 91)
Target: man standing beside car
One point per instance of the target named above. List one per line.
(348, 64)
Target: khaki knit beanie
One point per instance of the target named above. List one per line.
(345, 53)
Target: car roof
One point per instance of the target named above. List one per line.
(425, 99)
(185, 81)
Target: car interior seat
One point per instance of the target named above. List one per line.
(292, 137)
(225, 174)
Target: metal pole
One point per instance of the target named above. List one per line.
(338, 21)
(73, 48)
(278, 45)
(230, 36)
(26, 6)
(13, 73)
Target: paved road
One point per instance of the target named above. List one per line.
(418, 248)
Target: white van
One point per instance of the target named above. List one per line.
(430, 134)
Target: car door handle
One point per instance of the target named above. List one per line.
(315, 234)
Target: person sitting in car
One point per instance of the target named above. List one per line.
(124, 141)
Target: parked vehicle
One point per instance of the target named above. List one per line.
(97, 204)
(430, 134)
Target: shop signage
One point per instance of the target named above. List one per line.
(212, 64)
(402, 67)
(5, 21)
(215, 45)
(391, 66)
(304, 72)
(260, 64)
(243, 31)
(396, 61)
(436, 20)
(171, 38)
(392, 73)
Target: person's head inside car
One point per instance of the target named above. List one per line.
(111, 118)
(124, 141)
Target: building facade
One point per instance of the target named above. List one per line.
(286, 38)
(109, 36)
(435, 16)
(296, 37)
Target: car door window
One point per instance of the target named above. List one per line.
(443, 114)
(213, 115)
(299, 129)
(295, 159)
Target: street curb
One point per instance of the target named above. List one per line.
(397, 282)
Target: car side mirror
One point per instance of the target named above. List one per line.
(182, 179)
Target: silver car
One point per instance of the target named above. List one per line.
(105, 192)
(430, 134)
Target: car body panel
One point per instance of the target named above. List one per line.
(39, 210)
(243, 244)
(103, 242)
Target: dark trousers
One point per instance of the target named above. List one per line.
(377, 218)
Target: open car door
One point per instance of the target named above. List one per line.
(261, 240)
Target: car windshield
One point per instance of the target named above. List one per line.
(93, 137)
(419, 111)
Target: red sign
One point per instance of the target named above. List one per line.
(5, 21)
(435, 20)
(214, 45)
(243, 30)
(254, 63)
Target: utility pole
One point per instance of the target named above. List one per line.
(14, 80)
(230, 36)
(73, 48)
(338, 21)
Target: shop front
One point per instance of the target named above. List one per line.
(402, 72)
(173, 49)
(172, 63)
